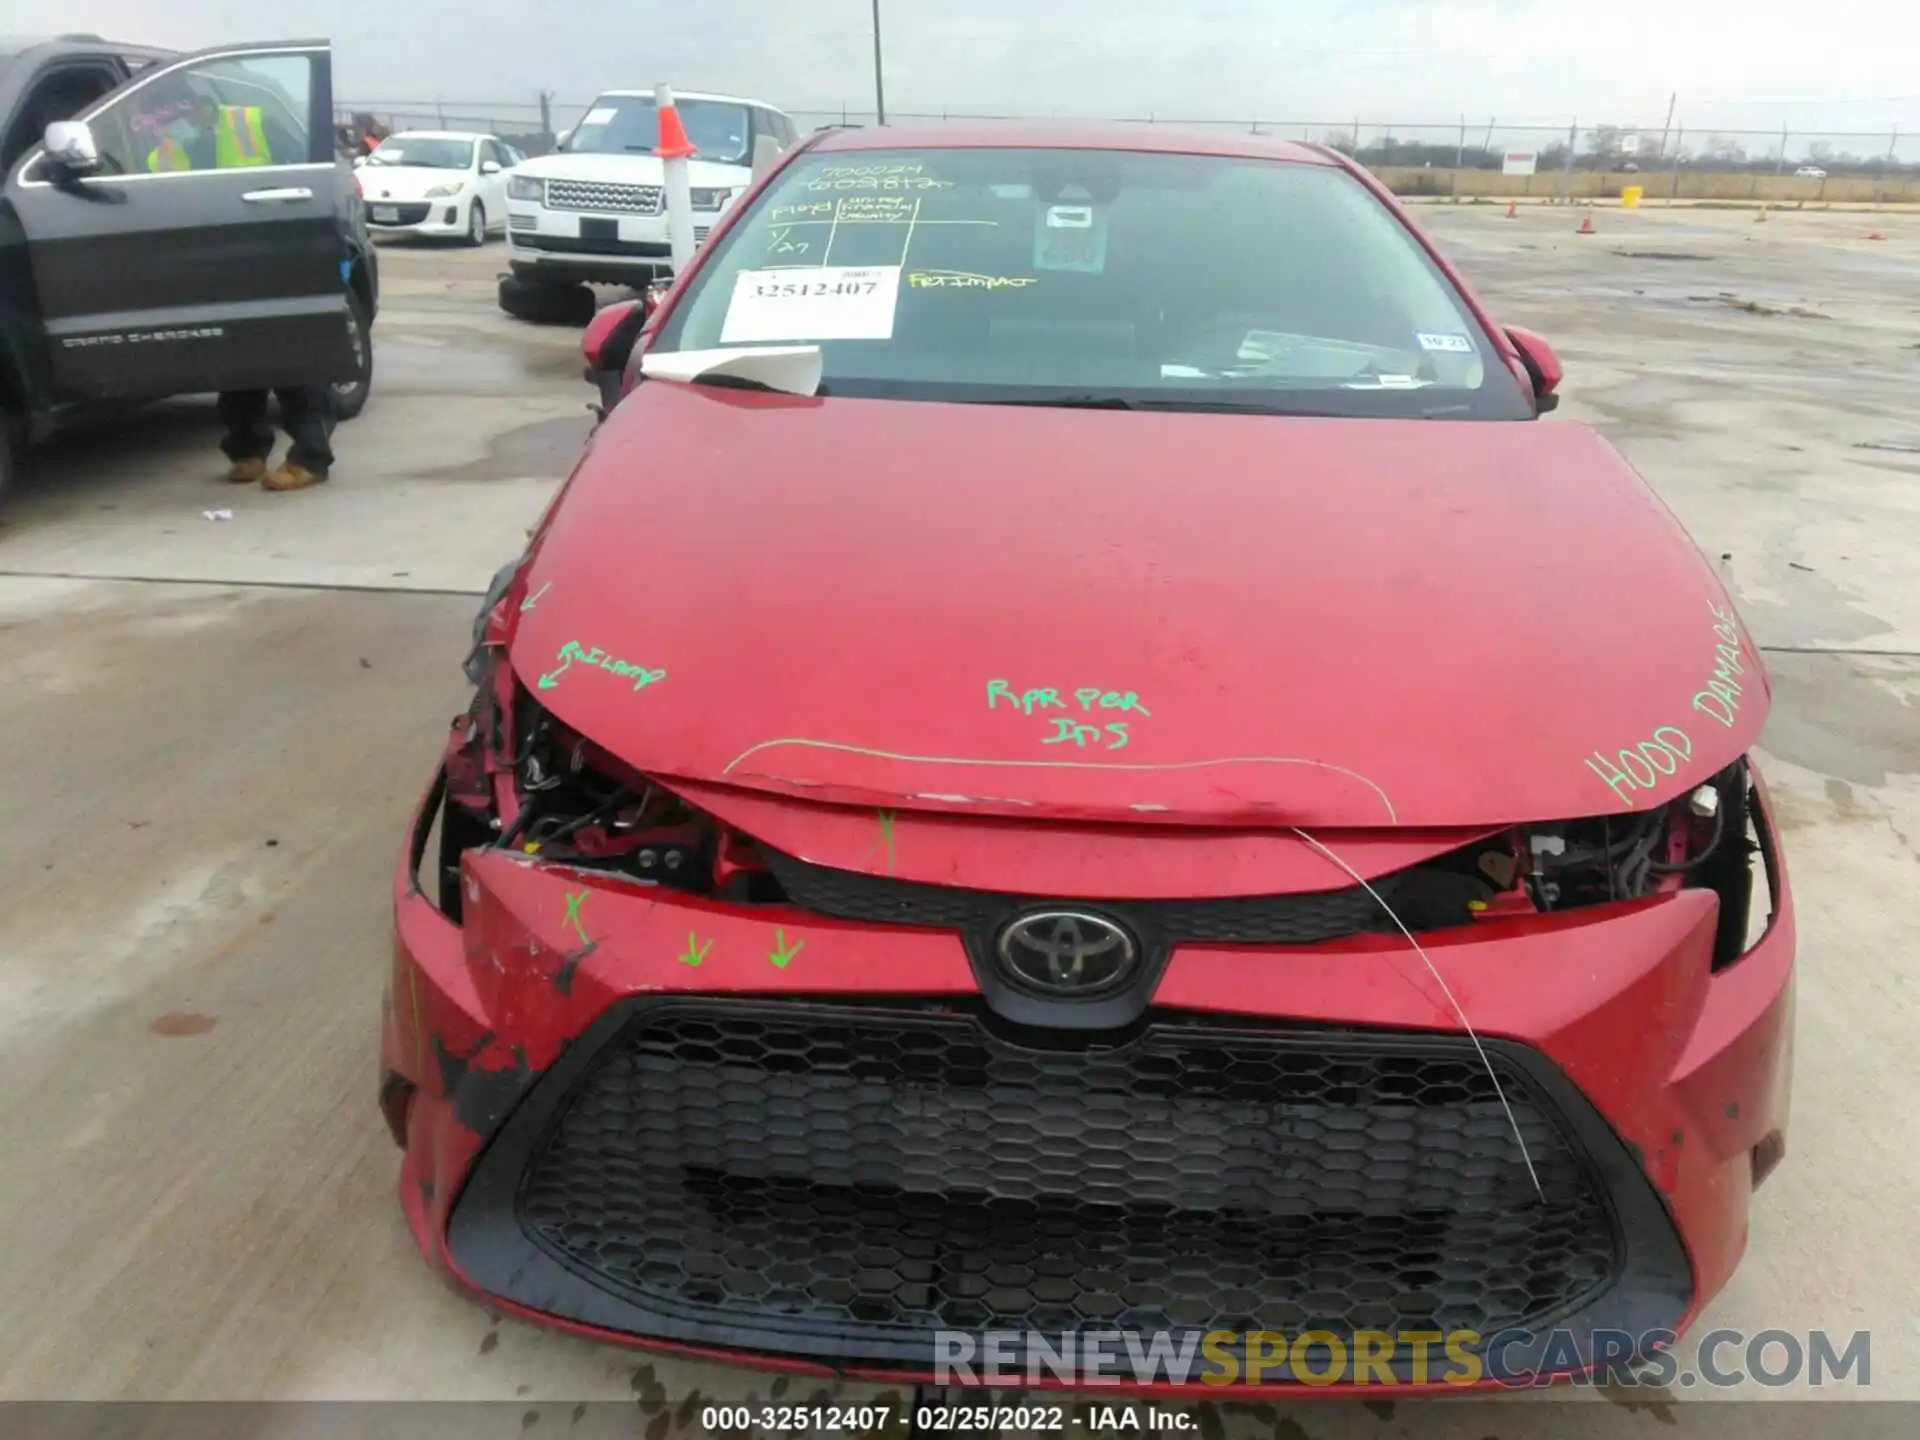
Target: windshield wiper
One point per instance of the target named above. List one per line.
(722, 381)
(1066, 402)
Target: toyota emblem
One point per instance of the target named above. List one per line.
(1067, 952)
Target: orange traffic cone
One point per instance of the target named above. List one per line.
(1513, 212)
(1586, 224)
(674, 144)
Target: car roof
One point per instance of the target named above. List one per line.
(14, 46)
(1073, 135)
(441, 135)
(694, 95)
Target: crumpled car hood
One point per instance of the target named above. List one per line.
(1132, 616)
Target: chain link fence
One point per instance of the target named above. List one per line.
(1467, 158)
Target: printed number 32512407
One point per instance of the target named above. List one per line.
(795, 289)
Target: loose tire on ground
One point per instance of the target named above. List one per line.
(350, 396)
(545, 303)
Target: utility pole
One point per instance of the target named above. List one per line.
(1459, 159)
(879, 80)
(1667, 129)
(1566, 169)
(546, 113)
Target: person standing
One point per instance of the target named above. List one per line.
(306, 414)
(241, 139)
(207, 135)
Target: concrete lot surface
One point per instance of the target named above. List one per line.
(216, 728)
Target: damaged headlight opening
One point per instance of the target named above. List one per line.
(1708, 838)
(530, 784)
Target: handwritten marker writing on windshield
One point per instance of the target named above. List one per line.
(674, 148)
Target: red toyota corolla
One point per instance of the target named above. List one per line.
(1073, 759)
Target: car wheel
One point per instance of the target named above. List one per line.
(350, 396)
(476, 224)
(545, 303)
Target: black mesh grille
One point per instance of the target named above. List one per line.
(879, 1173)
(1299, 919)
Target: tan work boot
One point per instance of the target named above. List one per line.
(245, 472)
(293, 477)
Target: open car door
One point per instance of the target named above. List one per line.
(193, 236)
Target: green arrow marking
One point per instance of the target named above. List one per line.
(696, 952)
(531, 600)
(781, 955)
(552, 677)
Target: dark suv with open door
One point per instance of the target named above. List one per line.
(172, 225)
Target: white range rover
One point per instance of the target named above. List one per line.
(595, 210)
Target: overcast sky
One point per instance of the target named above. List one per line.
(1838, 65)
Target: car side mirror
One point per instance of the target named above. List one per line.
(489, 167)
(560, 140)
(1542, 367)
(70, 146)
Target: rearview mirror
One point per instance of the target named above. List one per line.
(489, 167)
(1542, 367)
(70, 145)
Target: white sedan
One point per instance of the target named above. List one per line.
(437, 182)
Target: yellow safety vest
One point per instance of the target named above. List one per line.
(241, 140)
(169, 154)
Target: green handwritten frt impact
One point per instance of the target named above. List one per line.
(782, 955)
(1068, 730)
(575, 899)
(696, 952)
(599, 659)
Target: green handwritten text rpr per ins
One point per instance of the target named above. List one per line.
(1069, 729)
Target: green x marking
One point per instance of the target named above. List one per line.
(574, 901)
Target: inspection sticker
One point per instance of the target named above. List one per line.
(1453, 344)
(598, 117)
(816, 302)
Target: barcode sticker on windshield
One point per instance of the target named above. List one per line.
(819, 302)
(1452, 344)
(600, 116)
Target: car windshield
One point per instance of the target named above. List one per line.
(1098, 277)
(432, 152)
(629, 124)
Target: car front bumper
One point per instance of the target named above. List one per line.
(447, 217)
(579, 1043)
(570, 245)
